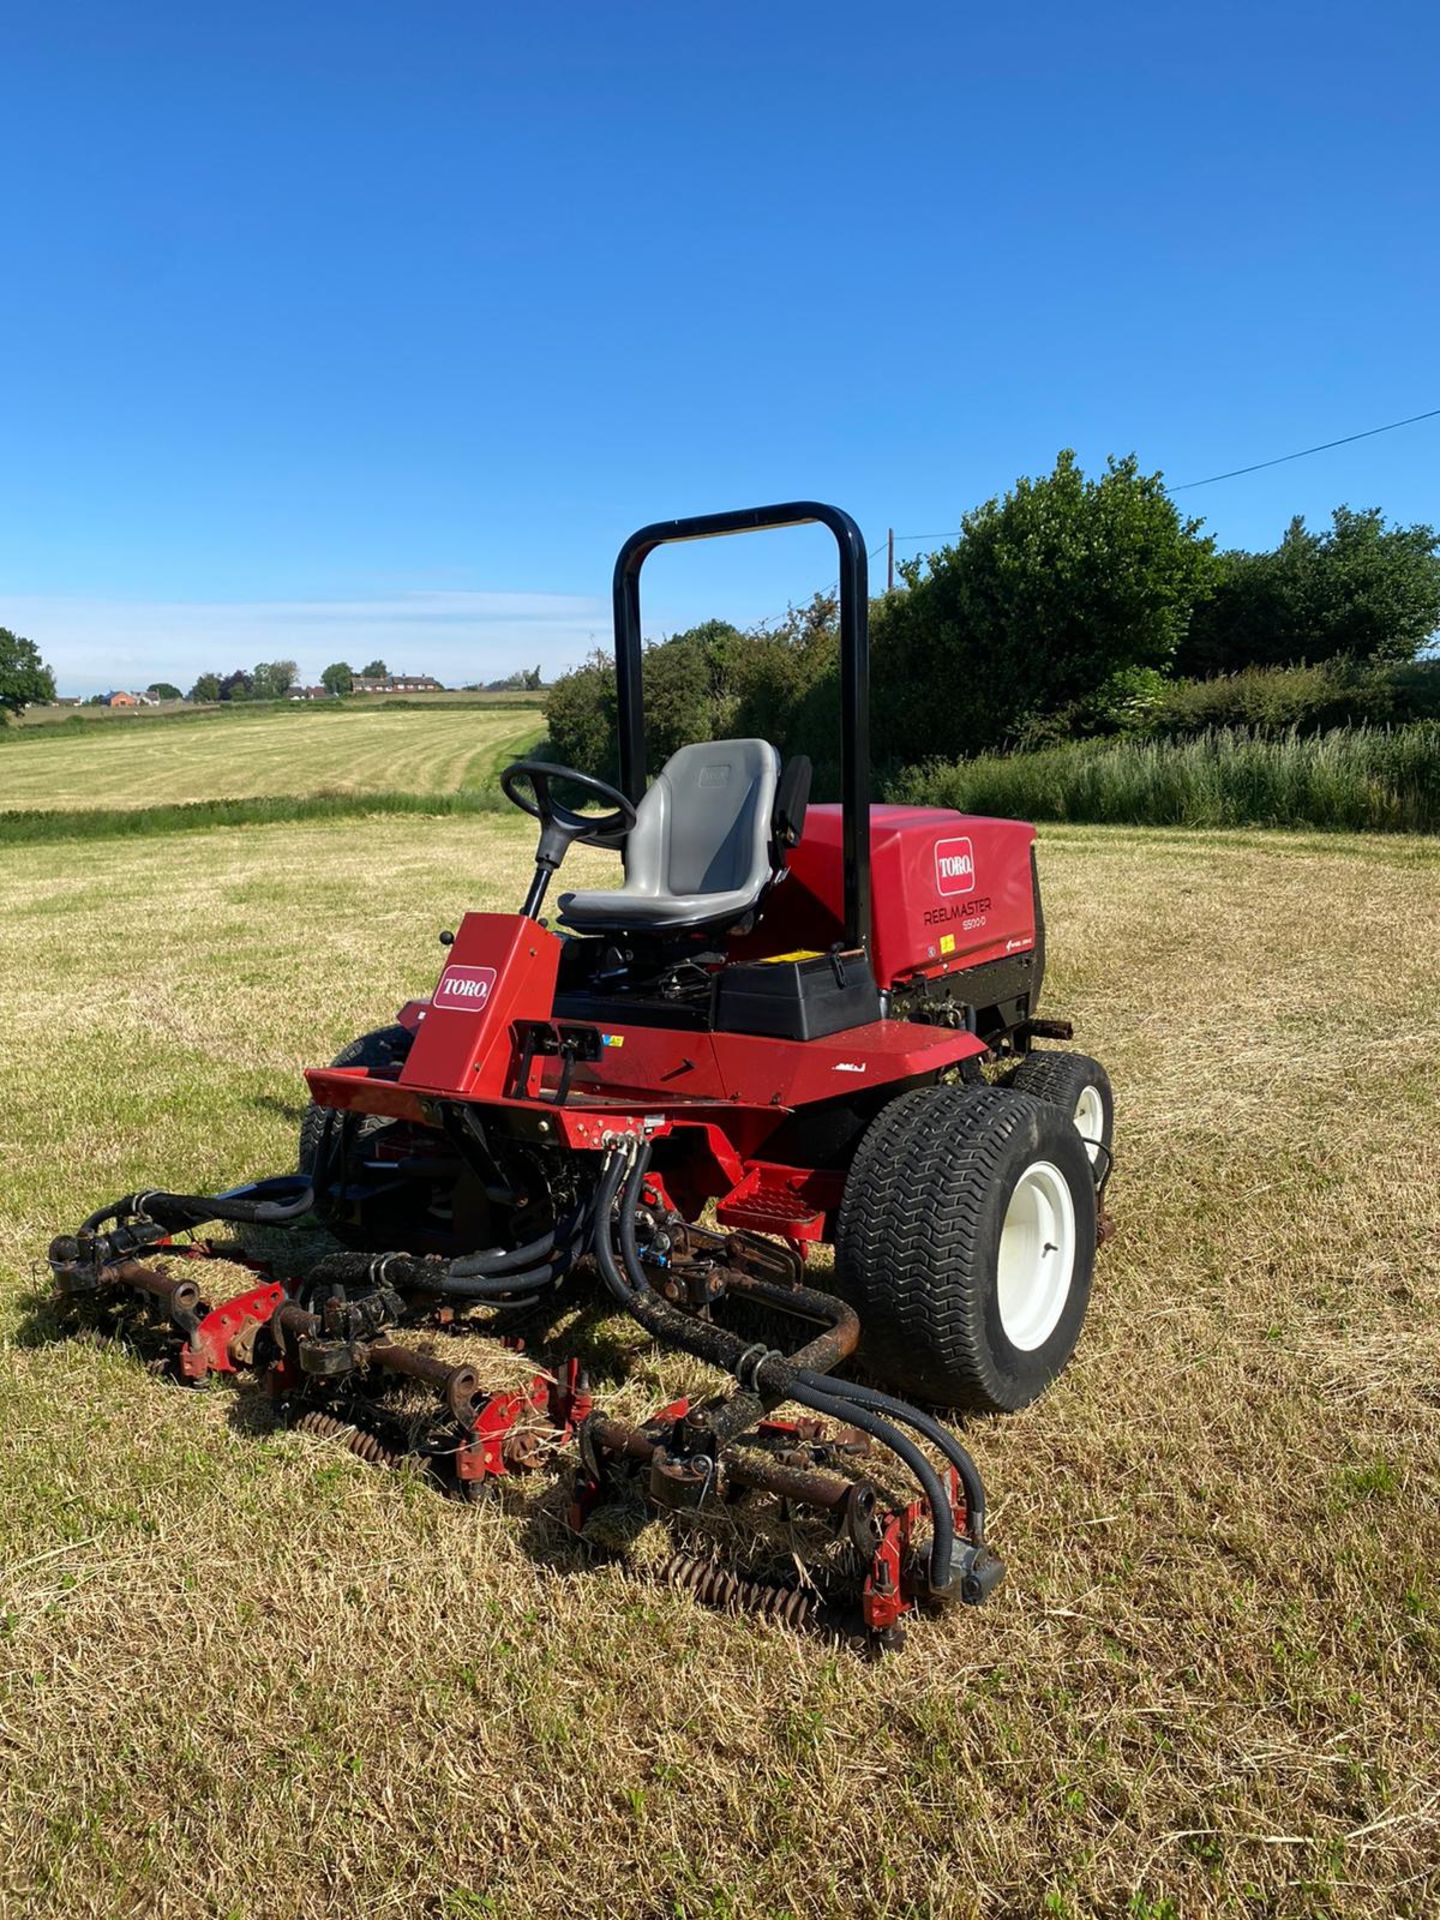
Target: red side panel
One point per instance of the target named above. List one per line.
(949, 890)
(501, 969)
(669, 1070)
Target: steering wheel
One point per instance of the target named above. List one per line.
(562, 826)
(545, 808)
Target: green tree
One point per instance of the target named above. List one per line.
(163, 690)
(273, 679)
(338, 678)
(25, 680)
(377, 670)
(236, 686)
(692, 689)
(1361, 591)
(580, 718)
(207, 687)
(1057, 599)
(789, 677)
(1061, 605)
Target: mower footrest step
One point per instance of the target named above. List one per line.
(791, 1201)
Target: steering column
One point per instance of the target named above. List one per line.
(562, 826)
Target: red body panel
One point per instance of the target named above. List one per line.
(665, 1069)
(949, 890)
(501, 969)
(650, 1071)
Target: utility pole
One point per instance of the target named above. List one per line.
(890, 561)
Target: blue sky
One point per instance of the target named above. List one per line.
(340, 329)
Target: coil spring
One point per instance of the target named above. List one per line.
(714, 1586)
(363, 1445)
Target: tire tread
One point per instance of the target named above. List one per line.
(911, 1237)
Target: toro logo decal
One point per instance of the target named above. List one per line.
(955, 865)
(468, 988)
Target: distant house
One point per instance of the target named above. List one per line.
(122, 700)
(310, 693)
(398, 683)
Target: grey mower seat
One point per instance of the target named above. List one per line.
(699, 853)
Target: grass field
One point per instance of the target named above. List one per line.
(244, 1676)
(438, 749)
(71, 718)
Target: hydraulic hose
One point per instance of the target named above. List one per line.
(517, 1276)
(267, 1203)
(493, 1260)
(431, 1276)
(525, 1282)
(714, 1345)
(942, 1540)
(856, 1395)
(477, 1266)
(772, 1372)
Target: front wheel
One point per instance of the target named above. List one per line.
(385, 1047)
(967, 1238)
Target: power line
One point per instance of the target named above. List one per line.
(1234, 473)
(1210, 480)
(834, 586)
(1324, 447)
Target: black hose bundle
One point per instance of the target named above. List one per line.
(557, 1247)
(508, 1275)
(777, 1378)
(265, 1203)
(500, 1276)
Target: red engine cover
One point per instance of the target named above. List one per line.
(948, 890)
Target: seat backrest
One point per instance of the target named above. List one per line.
(704, 826)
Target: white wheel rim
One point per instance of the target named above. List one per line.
(1090, 1121)
(1037, 1256)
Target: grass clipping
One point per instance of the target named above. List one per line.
(244, 1675)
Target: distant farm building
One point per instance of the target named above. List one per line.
(310, 693)
(398, 683)
(123, 699)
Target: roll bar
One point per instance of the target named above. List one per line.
(854, 669)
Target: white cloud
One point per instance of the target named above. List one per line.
(96, 644)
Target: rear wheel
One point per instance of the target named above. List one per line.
(967, 1240)
(1081, 1086)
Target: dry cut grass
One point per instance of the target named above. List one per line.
(242, 1675)
(436, 749)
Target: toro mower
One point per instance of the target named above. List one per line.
(791, 1025)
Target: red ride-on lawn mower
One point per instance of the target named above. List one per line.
(785, 1012)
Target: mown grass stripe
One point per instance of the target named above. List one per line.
(39, 724)
(35, 827)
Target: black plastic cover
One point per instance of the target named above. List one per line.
(797, 999)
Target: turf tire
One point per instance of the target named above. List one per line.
(1082, 1087)
(385, 1047)
(918, 1243)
